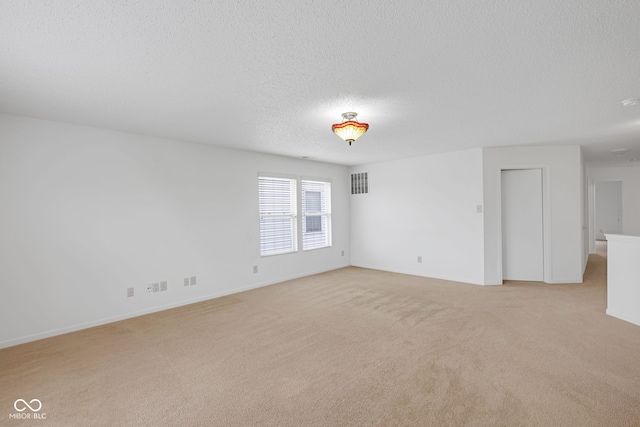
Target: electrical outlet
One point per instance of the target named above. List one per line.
(129, 292)
(163, 285)
(156, 287)
(192, 280)
(255, 269)
(419, 259)
(186, 281)
(149, 288)
(342, 253)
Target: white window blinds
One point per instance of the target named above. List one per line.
(278, 205)
(316, 214)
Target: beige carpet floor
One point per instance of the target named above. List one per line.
(349, 347)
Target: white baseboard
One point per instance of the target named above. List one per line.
(631, 319)
(104, 321)
(414, 273)
(564, 281)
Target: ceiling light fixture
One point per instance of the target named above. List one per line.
(631, 101)
(350, 129)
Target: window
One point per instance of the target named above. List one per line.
(313, 204)
(316, 212)
(278, 205)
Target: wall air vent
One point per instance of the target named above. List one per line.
(360, 183)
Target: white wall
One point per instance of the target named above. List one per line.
(87, 213)
(423, 206)
(630, 177)
(584, 197)
(562, 180)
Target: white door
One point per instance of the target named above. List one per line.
(522, 243)
(608, 208)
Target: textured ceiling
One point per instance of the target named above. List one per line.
(272, 76)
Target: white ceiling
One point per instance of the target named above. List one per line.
(272, 76)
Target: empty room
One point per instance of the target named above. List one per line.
(319, 213)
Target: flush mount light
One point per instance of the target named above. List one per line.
(631, 101)
(619, 151)
(350, 129)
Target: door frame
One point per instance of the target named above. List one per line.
(546, 218)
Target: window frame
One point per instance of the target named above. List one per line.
(301, 239)
(323, 186)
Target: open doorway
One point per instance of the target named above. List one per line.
(607, 208)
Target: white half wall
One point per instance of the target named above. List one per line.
(88, 213)
(422, 207)
(623, 270)
(563, 206)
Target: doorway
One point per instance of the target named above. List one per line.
(522, 225)
(608, 208)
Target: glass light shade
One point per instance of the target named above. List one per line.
(350, 130)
